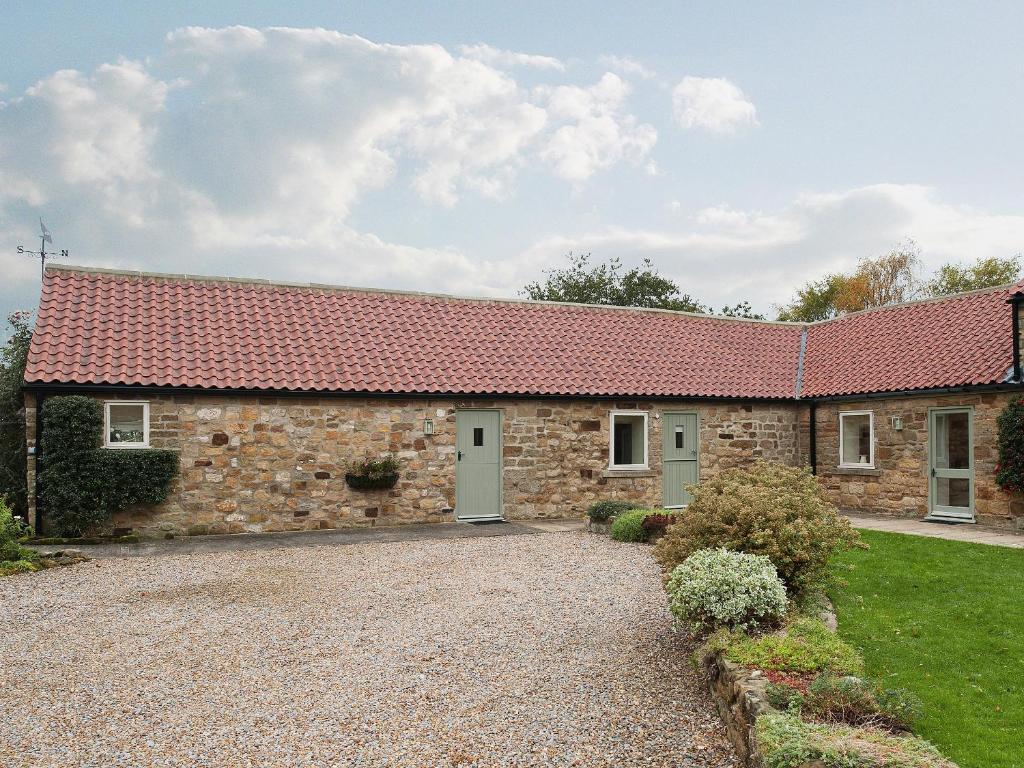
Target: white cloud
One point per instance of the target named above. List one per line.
(627, 66)
(724, 255)
(502, 58)
(713, 104)
(598, 133)
(246, 150)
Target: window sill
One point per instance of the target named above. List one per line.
(641, 472)
(128, 447)
(857, 469)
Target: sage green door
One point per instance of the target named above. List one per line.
(477, 465)
(951, 454)
(679, 441)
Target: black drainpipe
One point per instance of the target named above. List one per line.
(814, 438)
(40, 398)
(1014, 302)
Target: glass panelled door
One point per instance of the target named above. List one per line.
(952, 464)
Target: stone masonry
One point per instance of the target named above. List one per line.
(251, 464)
(898, 485)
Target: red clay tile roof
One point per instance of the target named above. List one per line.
(97, 327)
(956, 341)
(117, 328)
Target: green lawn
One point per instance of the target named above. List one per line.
(946, 620)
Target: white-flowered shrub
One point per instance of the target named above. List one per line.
(717, 588)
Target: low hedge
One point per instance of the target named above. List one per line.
(84, 485)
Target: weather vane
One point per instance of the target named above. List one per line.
(42, 254)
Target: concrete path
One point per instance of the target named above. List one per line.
(953, 531)
(243, 542)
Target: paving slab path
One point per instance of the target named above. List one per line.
(524, 650)
(953, 531)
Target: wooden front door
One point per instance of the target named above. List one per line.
(478, 465)
(679, 442)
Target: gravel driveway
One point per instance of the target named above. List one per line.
(551, 649)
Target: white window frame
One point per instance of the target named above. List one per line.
(611, 440)
(871, 440)
(145, 424)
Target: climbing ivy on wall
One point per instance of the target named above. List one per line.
(84, 485)
(1010, 469)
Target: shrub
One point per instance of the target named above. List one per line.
(1010, 469)
(375, 469)
(783, 697)
(629, 526)
(83, 485)
(786, 741)
(714, 589)
(807, 645)
(600, 511)
(10, 532)
(855, 701)
(771, 510)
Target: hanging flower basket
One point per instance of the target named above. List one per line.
(373, 474)
(371, 482)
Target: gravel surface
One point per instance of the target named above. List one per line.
(551, 649)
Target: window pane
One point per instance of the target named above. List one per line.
(628, 439)
(856, 447)
(127, 423)
(478, 436)
(679, 436)
(953, 492)
(952, 441)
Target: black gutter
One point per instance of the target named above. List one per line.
(174, 390)
(178, 390)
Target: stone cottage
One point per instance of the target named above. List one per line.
(515, 409)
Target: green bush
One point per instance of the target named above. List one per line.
(783, 697)
(806, 645)
(629, 526)
(1010, 468)
(786, 741)
(771, 510)
(83, 485)
(10, 533)
(600, 511)
(716, 588)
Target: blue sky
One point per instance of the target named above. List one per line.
(464, 147)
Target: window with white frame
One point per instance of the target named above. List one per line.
(857, 439)
(126, 425)
(628, 448)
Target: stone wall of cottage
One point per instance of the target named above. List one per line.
(253, 464)
(898, 485)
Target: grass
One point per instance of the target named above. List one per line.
(944, 619)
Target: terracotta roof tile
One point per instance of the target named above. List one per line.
(110, 328)
(957, 341)
(125, 328)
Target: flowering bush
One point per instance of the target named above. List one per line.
(771, 510)
(715, 589)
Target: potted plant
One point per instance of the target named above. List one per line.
(373, 474)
